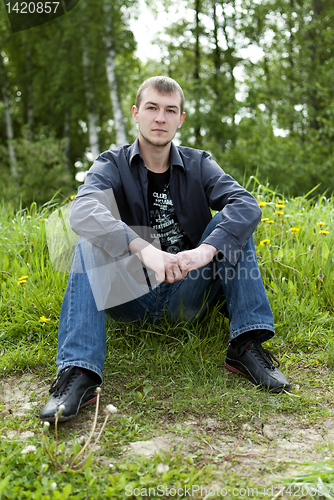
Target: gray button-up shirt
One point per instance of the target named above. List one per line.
(111, 206)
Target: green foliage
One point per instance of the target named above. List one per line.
(44, 81)
(164, 373)
(24, 267)
(28, 475)
(276, 119)
(42, 169)
(294, 244)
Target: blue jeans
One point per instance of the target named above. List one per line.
(82, 327)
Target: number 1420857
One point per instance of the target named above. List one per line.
(33, 7)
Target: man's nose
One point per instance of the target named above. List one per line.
(160, 116)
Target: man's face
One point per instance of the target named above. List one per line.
(158, 117)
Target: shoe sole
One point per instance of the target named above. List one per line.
(63, 419)
(89, 402)
(235, 370)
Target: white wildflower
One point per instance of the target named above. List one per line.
(161, 468)
(60, 410)
(46, 426)
(53, 485)
(29, 449)
(111, 409)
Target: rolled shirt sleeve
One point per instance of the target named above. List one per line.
(94, 214)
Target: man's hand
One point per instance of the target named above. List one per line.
(165, 265)
(196, 258)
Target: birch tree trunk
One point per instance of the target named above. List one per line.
(112, 79)
(9, 123)
(67, 137)
(92, 117)
(197, 78)
(90, 99)
(30, 92)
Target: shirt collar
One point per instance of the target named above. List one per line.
(175, 154)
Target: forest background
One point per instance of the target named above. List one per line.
(257, 76)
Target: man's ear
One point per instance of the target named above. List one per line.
(182, 117)
(134, 111)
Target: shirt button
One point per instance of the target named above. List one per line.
(144, 180)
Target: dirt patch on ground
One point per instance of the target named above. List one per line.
(254, 452)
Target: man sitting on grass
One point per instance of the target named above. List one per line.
(149, 249)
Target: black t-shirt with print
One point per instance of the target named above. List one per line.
(163, 218)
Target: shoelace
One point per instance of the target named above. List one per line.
(64, 381)
(264, 356)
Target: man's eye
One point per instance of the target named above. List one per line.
(170, 110)
(151, 108)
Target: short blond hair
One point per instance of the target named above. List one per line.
(163, 85)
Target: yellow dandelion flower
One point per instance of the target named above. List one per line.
(294, 229)
(264, 242)
(28, 216)
(21, 282)
(324, 232)
(270, 221)
(281, 202)
(23, 278)
(262, 203)
(316, 362)
(279, 212)
(320, 223)
(279, 205)
(264, 219)
(43, 319)
(73, 196)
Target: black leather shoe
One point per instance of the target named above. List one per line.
(74, 388)
(256, 363)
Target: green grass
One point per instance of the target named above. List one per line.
(162, 376)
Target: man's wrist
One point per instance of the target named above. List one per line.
(137, 245)
(209, 249)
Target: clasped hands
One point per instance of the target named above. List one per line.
(172, 267)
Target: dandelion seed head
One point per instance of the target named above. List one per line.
(111, 409)
(29, 449)
(46, 426)
(161, 468)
